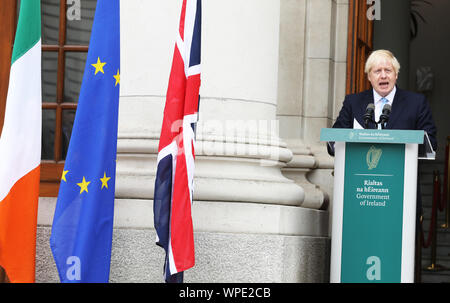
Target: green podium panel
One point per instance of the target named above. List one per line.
(374, 205)
(373, 212)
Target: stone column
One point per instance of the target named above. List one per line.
(313, 37)
(245, 210)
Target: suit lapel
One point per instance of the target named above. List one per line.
(397, 106)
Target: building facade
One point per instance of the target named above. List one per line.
(274, 73)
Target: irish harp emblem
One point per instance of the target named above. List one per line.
(373, 156)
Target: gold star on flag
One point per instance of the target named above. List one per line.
(63, 177)
(105, 180)
(83, 185)
(117, 77)
(99, 66)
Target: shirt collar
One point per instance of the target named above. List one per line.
(389, 97)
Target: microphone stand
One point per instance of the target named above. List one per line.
(383, 121)
(384, 117)
(366, 122)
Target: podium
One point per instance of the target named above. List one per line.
(373, 216)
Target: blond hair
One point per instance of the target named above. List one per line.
(381, 55)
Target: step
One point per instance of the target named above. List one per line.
(440, 275)
(435, 277)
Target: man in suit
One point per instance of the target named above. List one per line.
(409, 110)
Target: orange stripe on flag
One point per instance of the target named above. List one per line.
(18, 220)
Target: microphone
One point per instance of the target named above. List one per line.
(384, 117)
(368, 116)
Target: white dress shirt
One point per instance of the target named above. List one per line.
(379, 104)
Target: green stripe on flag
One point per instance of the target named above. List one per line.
(28, 28)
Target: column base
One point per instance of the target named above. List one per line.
(235, 242)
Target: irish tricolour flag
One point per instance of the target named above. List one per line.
(20, 150)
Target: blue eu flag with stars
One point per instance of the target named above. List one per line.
(83, 222)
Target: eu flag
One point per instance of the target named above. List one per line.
(83, 222)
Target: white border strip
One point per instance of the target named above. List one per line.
(194, 70)
(170, 149)
(20, 140)
(337, 209)
(409, 213)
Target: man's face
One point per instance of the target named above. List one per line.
(383, 77)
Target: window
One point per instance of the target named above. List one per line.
(65, 40)
(360, 44)
(66, 28)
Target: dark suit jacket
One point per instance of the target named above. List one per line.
(409, 111)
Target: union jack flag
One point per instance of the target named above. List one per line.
(175, 163)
